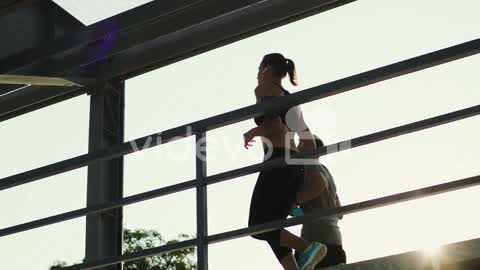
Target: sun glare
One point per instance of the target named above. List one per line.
(432, 252)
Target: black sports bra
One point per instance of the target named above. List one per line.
(259, 120)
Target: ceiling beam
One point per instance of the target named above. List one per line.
(129, 21)
(170, 39)
(14, 5)
(210, 34)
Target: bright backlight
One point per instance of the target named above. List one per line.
(90, 11)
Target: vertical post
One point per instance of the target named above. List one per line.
(104, 232)
(202, 219)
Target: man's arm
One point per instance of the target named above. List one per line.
(338, 204)
(296, 122)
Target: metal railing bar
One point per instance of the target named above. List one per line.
(134, 256)
(349, 209)
(355, 142)
(201, 200)
(99, 208)
(225, 176)
(344, 210)
(336, 87)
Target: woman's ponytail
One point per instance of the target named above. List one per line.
(292, 73)
(281, 66)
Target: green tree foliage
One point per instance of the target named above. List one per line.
(136, 240)
(139, 239)
(58, 265)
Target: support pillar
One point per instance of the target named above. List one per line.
(104, 232)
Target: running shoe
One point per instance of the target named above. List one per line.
(312, 255)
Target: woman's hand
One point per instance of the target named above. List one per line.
(264, 74)
(248, 138)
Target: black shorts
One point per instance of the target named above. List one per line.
(276, 191)
(273, 197)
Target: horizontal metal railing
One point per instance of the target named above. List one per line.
(344, 210)
(200, 127)
(355, 142)
(315, 93)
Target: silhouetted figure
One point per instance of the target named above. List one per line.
(276, 189)
(319, 193)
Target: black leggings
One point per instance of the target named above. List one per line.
(272, 199)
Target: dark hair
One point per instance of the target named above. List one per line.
(281, 66)
(318, 141)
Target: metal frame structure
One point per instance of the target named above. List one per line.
(146, 38)
(104, 230)
(315, 93)
(140, 33)
(201, 182)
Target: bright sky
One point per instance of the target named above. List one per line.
(351, 39)
(82, 10)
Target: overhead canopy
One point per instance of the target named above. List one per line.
(136, 41)
(90, 12)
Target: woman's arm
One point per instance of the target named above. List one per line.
(270, 125)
